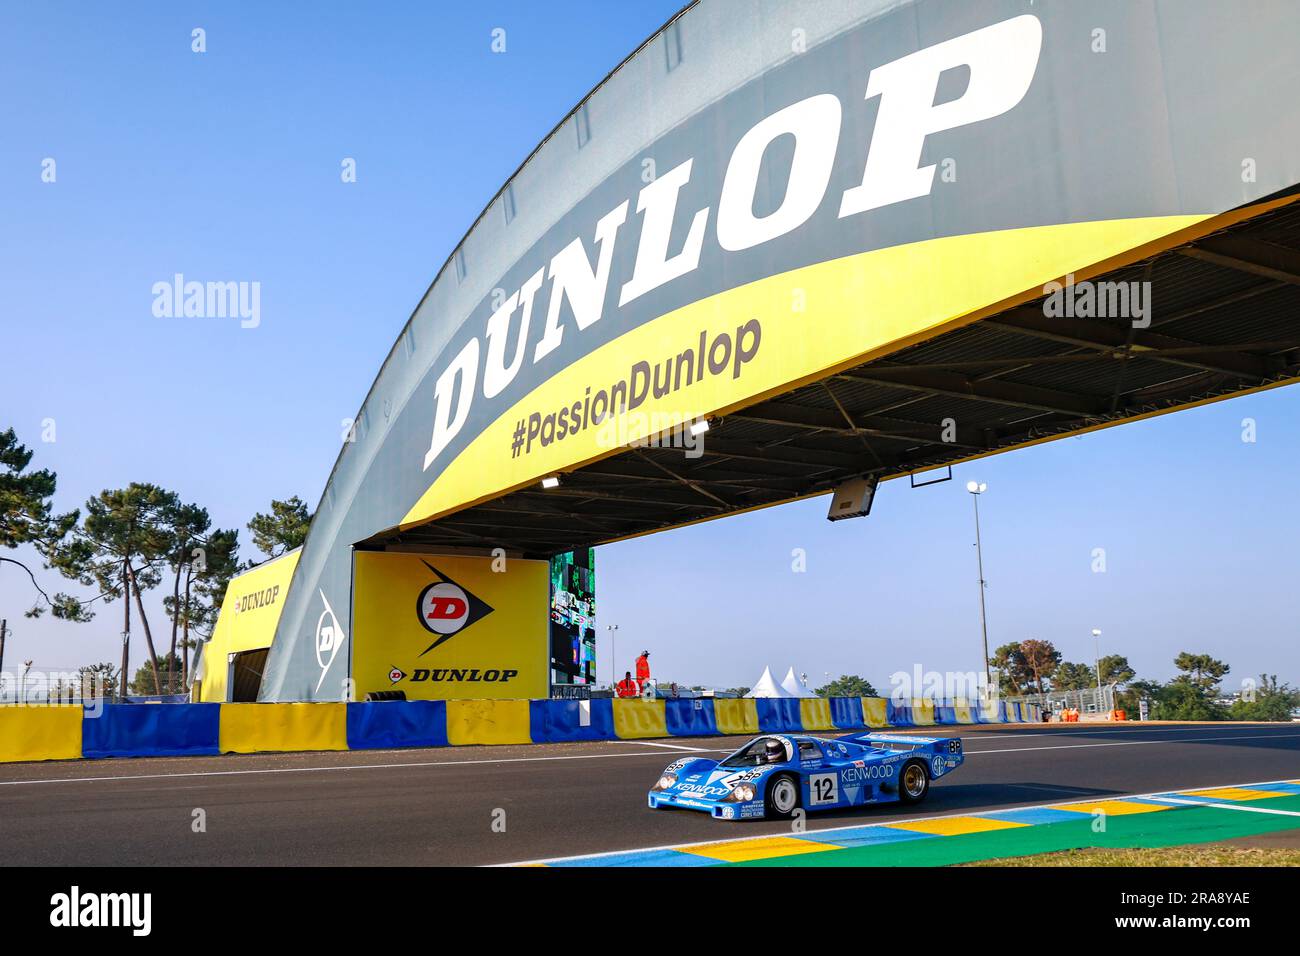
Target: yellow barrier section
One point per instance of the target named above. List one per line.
(875, 711)
(922, 711)
(736, 715)
(989, 711)
(488, 722)
(639, 718)
(816, 713)
(253, 728)
(40, 733)
(963, 713)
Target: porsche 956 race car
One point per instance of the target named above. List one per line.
(776, 774)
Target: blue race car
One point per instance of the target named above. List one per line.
(776, 774)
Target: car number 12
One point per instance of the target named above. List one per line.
(823, 788)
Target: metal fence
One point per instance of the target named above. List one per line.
(1090, 700)
(32, 685)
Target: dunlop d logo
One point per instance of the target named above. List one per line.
(446, 608)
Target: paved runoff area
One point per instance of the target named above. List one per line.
(1023, 789)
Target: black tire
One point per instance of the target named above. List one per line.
(913, 781)
(783, 796)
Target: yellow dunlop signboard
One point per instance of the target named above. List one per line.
(443, 628)
(249, 614)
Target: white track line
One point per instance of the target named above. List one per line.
(1134, 743)
(896, 823)
(1226, 806)
(1084, 730)
(651, 743)
(359, 766)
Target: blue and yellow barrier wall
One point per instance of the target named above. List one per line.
(66, 732)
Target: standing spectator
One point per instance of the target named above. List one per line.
(642, 671)
(627, 687)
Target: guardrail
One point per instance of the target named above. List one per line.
(63, 732)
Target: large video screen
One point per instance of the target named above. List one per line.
(573, 617)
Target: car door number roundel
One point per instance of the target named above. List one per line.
(823, 788)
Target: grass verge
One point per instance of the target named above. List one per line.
(1161, 856)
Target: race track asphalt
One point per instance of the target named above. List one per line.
(447, 806)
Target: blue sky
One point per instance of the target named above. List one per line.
(227, 164)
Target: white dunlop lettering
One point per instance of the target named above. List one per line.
(1002, 60)
(815, 125)
(654, 267)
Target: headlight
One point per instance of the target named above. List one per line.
(741, 793)
(666, 781)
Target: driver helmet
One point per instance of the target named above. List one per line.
(773, 751)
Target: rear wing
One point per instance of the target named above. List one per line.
(902, 741)
(891, 739)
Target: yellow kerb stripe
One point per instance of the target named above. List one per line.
(761, 848)
(955, 826)
(1111, 807)
(1232, 793)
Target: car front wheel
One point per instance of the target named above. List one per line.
(782, 796)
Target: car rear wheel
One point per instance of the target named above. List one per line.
(782, 796)
(914, 782)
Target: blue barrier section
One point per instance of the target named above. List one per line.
(846, 713)
(152, 730)
(690, 718)
(397, 723)
(779, 715)
(945, 713)
(1013, 712)
(898, 715)
(558, 721)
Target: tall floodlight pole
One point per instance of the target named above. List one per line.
(977, 488)
(613, 656)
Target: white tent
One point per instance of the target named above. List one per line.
(766, 686)
(792, 686)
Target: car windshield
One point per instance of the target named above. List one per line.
(751, 755)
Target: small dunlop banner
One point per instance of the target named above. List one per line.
(447, 628)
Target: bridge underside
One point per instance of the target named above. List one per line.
(1224, 319)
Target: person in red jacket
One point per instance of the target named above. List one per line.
(643, 670)
(626, 687)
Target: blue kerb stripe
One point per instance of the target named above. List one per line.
(865, 836)
(1033, 815)
(1275, 787)
(642, 858)
(1147, 800)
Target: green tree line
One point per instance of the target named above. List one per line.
(1194, 693)
(124, 543)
